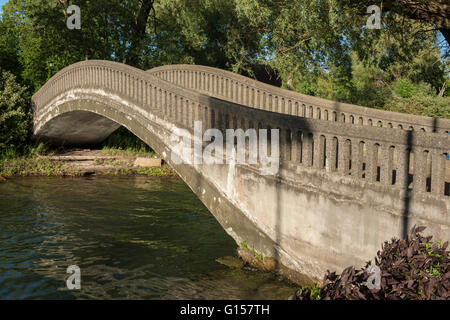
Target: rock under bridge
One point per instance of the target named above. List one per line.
(350, 177)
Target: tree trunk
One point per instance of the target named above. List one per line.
(139, 32)
(436, 12)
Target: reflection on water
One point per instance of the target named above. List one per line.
(132, 237)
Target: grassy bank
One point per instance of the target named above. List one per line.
(40, 162)
(38, 166)
(116, 156)
(32, 165)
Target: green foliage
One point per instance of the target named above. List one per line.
(431, 106)
(314, 45)
(40, 149)
(447, 88)
(206, 32)
(307, 293)
(9, 58)
(404, 88)
(38, 30)
(122, 140)
(256, 254)
(305, 43)
(323, 49)
(32, 166)
(244, 245)
(14, 114)
(372, 88)
(412, 269)
(157, 171)
(127, 152)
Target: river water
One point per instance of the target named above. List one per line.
(132, 237)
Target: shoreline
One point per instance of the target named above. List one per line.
(86, 162)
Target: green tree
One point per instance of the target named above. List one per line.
(321, 48)
(43, 37)
(206, 32)
(433, 12)
(14, 113)
(9, 35)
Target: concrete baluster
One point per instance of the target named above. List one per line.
(438, 161)
(344, 155)
(320, 143)
(419, 173)
(372, 161)
(177, 112)
(282, 105)
(332, 144)
(308, 149)
(386, 164)
(402, 170)
(356, 156)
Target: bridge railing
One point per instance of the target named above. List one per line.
(402, 159)
(130, 84)
(242, 90)
(393, 158)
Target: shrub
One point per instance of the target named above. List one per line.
(125, 140)
(424, 89)
(447, 88)
(414, 268)
(14, 114)
(371, 96)
(430, 106)
(404, 88)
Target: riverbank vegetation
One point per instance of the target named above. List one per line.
(123, 142)
(30, 165)
(320, 48)
(116, 156)
(35, 164)
(415, 268)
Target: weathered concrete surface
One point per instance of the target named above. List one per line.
(318, 213)
(147, 162)
(77, 128)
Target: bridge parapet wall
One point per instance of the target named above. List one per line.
(402, 159)
(242, 90)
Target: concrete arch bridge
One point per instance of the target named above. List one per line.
(349, 179)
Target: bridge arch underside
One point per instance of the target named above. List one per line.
(78, 128)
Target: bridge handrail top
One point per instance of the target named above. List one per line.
(189, 94)
(315, 101)
(426, 140)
